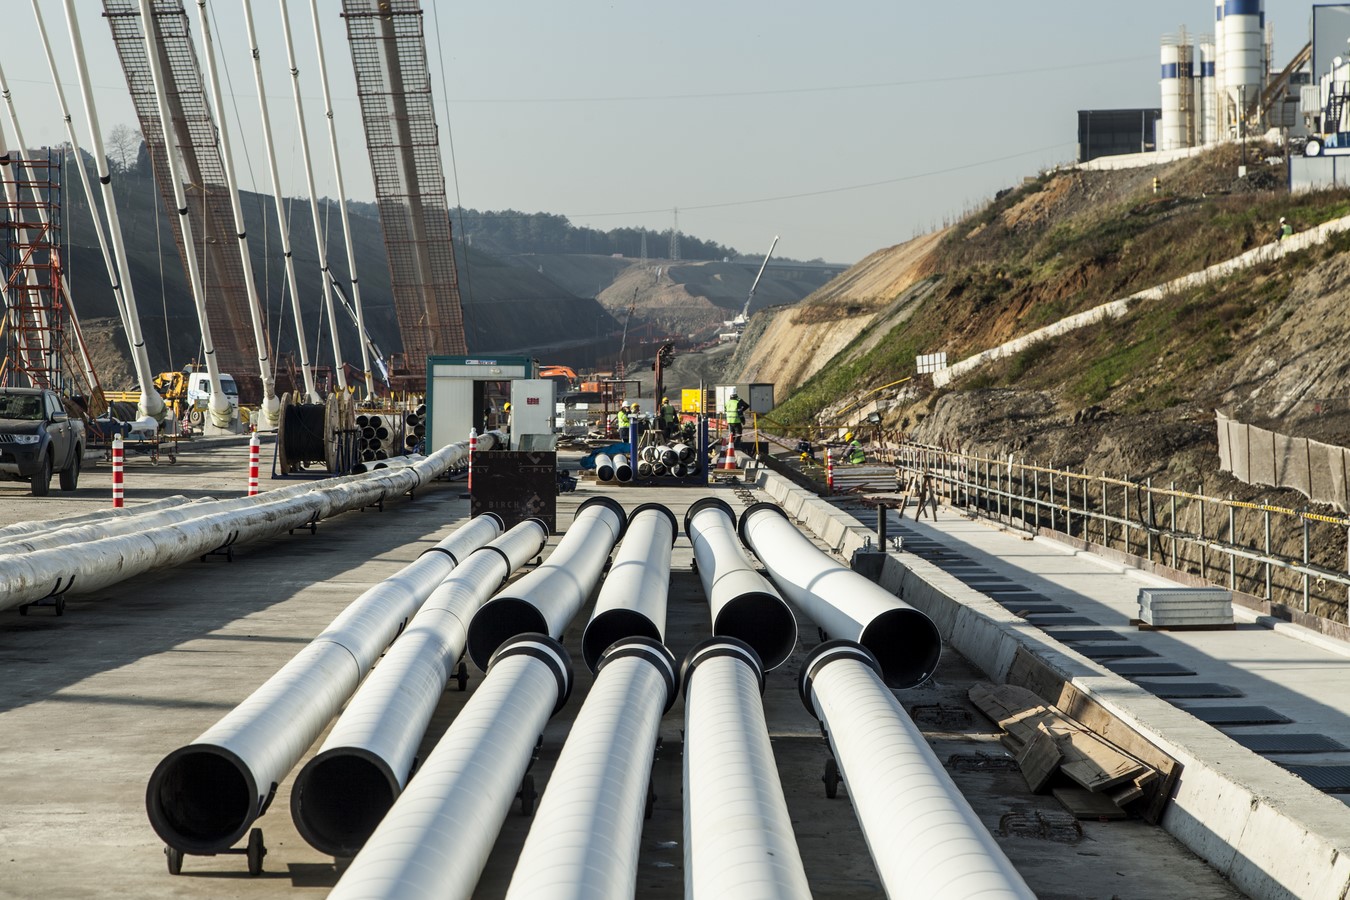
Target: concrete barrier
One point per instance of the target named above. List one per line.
(1268, 831)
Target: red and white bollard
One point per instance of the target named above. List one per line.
(829, 472)
(117, 471)
(254, 446)
(473, 446)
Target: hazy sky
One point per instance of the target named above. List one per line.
(843, 128)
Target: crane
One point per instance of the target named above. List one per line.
(623, 341)
(740, 321)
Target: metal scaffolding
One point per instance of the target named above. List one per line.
(31, 260)
(393, 85)
(210, 212)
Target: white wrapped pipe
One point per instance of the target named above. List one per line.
(436, 839)
(93, 564)
(623, 470)
(743, 603)
(342, 793)
(202, 797)
(584, 838)
(842, 602)
(545, 600)
(684, 453)
(924, 838)
(22, 530)
(604, 467)
(632, 600)
(738, 838)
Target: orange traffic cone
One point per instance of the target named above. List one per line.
(728, 460)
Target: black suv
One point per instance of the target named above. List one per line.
(38, 437)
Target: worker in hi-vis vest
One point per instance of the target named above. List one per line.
(735, 408)
(623, 421)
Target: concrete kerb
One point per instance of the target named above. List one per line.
(1271, 833)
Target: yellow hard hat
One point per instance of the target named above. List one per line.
(848, 435)
(506, 406)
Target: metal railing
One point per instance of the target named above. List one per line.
(1221, 540)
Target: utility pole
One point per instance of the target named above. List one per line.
(675, 236)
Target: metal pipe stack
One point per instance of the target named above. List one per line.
(342, 793)
(925, 839)
(381, 436)
(415, 427)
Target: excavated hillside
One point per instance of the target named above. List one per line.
(1134, 397)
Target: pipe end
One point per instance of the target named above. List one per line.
(549, 651)
(501, 523)
(906, 644)
(340, 797)
(764, 621)
(822, 656)
(720, 646)
(202, 798)
(674, 523)
(613, 506)
(762, 506)
(708, 503)
(496, 622)
(655, 652)
(609, 628)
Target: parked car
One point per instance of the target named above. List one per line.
(39, 437)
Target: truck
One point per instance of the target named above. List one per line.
(38, 436)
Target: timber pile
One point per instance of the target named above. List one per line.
(1048, 743)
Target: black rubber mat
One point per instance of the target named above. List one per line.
(1155, 668)
(1237, 715)
(1288, 743)
(1020, 600)
(1113, 651)
(1189, 690)
(1330, 779)
(1041, 621)
(984, 580)
(1028, 609)
(1079, 635)
(1012, 591)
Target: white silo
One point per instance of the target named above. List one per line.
(1177, 93)
(1207, 123)
(1219, 97)
(1244, 53)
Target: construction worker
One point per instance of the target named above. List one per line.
(1285, 229)
(623, 421)
(854, 452)
(735, 408)
(670, 422)
(506, 417)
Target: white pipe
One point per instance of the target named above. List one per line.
(134, 520)
(151, 404)
(738, 838)
(632, 600)
(271, 403)
(584, 839)
(436, 839)
(87, 566)
(362, 337)
(320, 244)
(342, 793)
(23, 530)
(683, 452)
(604, 467)
(842, 602)
(283, 227)
(742, 602)
(221, 410)
(202, 797)
(545, 600)
(924, 838)
(623, 472)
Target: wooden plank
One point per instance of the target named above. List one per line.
(1087, 805)
(1040, 759)
(1030, 672)
(1093, 764)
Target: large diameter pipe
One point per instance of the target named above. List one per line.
(436, 839)
(545, 600)
(604, 467)
(25, 530)
(90, 565)
(584, 838)
(842, 602)
(632, 601)
(623, 470)
(738, 838)
(203, 797)
(341, 794)
(744, 604)
(924, 838)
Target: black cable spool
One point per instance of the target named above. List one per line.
(302, 432)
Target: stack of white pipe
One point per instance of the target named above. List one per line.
(738, 836)
(379, 440)
(342, 793)
(632, 601)
(436, 839)
(585, 836)
(742, 602)
(924, 838)
(202, 797)
(661, 460)
(842, 602)
(544, 601)
(94, 560)
(415, 427)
